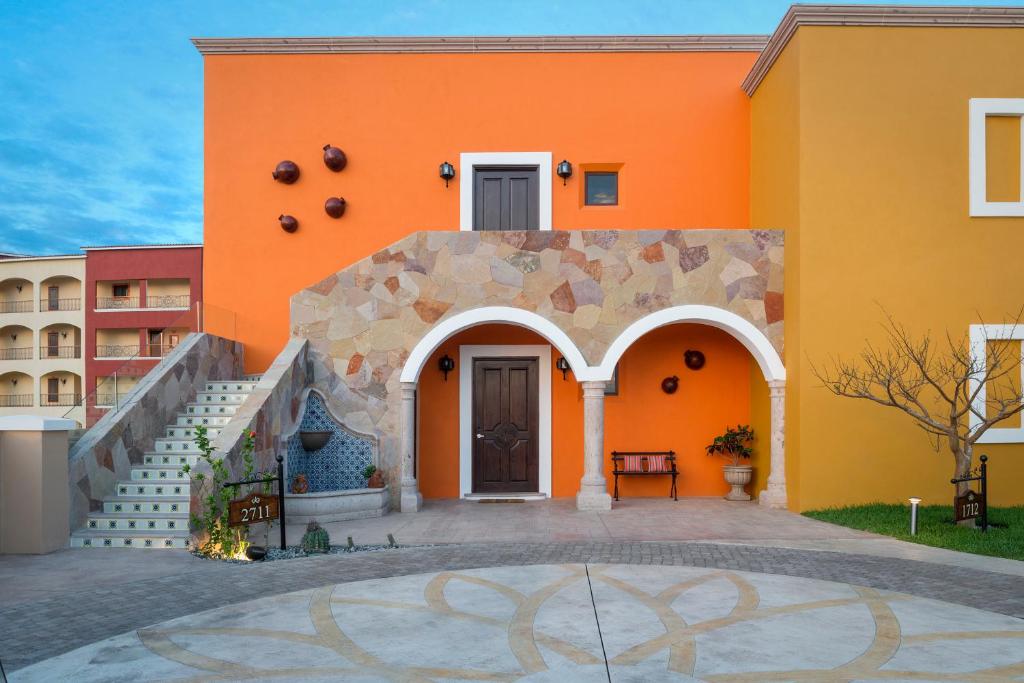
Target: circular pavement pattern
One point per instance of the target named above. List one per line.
(586, 622)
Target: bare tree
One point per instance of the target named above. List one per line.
(938, 385)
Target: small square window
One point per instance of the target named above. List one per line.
(602, 188)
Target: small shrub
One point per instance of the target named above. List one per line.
(368, 471)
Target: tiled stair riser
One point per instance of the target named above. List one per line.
(151, 510)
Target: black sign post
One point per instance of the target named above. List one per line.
(972, 504)
(280, 491)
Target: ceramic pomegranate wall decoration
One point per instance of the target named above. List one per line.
(335, 207)
(694, 359)
(334, 158)
(670, 384)
(288, 223)
(287, 172)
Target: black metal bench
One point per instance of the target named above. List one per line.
(645, 463)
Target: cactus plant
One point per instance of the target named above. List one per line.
(316, 540)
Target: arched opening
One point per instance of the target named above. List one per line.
(16, 296)
(639, 415)
(60, 293)
(16, 343)
(16, 390)
(60, 389)
(60, 341)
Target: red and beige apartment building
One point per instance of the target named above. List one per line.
(78, 331)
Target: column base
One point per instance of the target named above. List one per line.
(411, 501)
(586, 500)
(773, 497)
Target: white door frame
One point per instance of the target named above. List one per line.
(469, 160)
(466, 355)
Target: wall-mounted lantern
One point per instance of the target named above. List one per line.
(563, 365)
(694, 359)
(334, 158)
(564, 170)
(288, 223)
(335, 207)
(64, 335)
(447, 172)
(14, 337)
(670, 384)
(14, 382)
(19, 288)
(287, 172)
(446, 364)
(63, 380)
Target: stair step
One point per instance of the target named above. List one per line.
(148, 522)
(207, 397)
(164, 444)
(169, 459)
(189, 432)
(188, 420)
(146, 505)
(92, 538)
(157, 473)
(153, 488)
(222, 409)
(242, 386)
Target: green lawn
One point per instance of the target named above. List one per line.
(935, 527)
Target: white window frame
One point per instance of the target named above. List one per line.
(979, 109)
(470, 160)
(980, 336)
(466, 355)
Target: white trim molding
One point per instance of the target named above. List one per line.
(466, 355)
(469, 160)
(980, 108)
(743, 330)
(491, 314)
(980, 335)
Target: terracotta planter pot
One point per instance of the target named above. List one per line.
(737, 476)
(376, 481)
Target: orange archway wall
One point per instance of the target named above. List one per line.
(641, 417)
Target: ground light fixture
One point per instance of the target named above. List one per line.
(914, 502)
(563, 365)
(446, 364)
(564, 170)
(446, 171)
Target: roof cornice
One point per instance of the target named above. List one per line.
(481, 44)
(876, 15)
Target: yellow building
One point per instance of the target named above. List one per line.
(862, 150)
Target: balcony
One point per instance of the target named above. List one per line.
(117, 350)
(169, 301)
(115, 303)
(49, 352)
(16, 401)
(60, 305)
(18, 353)
(64, 400)
(24, 306)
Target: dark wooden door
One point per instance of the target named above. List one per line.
(505, 425)
(52, 344)
(505, 198)
(53, 390)
(52, 298)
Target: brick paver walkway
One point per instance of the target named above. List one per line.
(73, 615)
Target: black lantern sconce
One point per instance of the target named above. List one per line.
(14, 337)
(19, 288)
(63, 380)
(563, 365)
(446, 365)
(564, 170)
(694, 359)
(446, 171)
(14, 382)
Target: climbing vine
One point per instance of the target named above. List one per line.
(221, 540)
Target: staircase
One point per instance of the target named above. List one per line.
(151, 509)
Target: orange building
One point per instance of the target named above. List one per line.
(535, 231)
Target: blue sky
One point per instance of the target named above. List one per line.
(101, 123)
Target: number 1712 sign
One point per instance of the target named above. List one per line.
(253, 509)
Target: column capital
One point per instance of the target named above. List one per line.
(408, 389)
(776, 387)
(593, 389)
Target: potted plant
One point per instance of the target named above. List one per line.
(735, 444)
(374, 479)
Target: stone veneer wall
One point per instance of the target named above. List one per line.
(105, 453)
(271, 410)
(363, 321)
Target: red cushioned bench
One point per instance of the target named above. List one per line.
(645, 463)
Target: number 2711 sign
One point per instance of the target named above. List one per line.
(252, 509)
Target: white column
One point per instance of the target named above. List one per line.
(775, 494)
(411, 500)
(593, 493)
